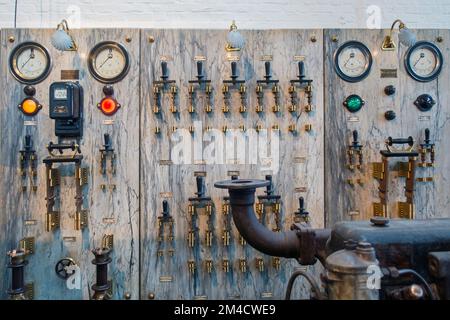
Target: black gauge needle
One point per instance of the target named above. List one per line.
(422, 55)
(110, 55)
(31, 57)
(352, 55)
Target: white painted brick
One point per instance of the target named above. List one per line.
(217, 14)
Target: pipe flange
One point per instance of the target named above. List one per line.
(241, 184)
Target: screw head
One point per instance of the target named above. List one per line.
(127, 295)
(151, 296)
(334, 38)
(11, 39)
(151, 39)
(313, 38)
(128, 39)
(440, 39)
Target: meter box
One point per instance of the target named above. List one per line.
(66, 108)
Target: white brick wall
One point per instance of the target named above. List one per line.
(217, 14)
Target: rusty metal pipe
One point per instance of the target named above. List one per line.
(242, 198)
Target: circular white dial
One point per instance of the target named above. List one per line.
(109, 62)
(29, 62)
(352, 61)
(423, 62)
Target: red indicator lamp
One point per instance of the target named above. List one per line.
(30, 106)
(108, 105)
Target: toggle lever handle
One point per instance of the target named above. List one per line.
(355, 137)
(200, 186)
(269, 188)
(165, 71)
(234, 72)
(107, 140)
(301, 70)
(165, 208)
(268, 71)
(410, 141)
(301, 202)
(199, 70)
(427, 136)
(28, 143)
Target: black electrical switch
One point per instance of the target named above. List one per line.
(389, 90)
(425, 102)
(390, 115)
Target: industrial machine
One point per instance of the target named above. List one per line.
(380, 259)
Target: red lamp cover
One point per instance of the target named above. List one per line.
(109, 106)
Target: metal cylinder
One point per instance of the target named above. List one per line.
(351, 274)
(102, 285)
(16, 264)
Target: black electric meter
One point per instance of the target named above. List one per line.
(66, 108)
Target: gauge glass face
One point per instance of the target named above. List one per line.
(423, 62)
(109, 62)
(30, 63)
(352, 62)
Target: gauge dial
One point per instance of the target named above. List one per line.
(29, 62)
(423, 61)
(353, 61)
(109, 62)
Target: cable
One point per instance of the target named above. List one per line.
(15, 14)
(308, 277)
(424, 282)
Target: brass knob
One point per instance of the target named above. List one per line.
(151, 39)
(151, 296)
(11, 39)
(128, 39)
(127, 295)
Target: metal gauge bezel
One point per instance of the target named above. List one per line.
(438, 55)
(100, 47)
(367, 54)
(14, 70)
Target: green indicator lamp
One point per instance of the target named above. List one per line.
(354, 103)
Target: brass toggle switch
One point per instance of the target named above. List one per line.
(209, 266)
(225, 265)
(191, 209)
(276, 207)
(259, 208)
(191, 238)
(226, 237)
(191, 266)
(225, 208)
(260, 264)
(292, 128)
(208, 209)
(243, 265)
(308, 127)
(309, 108)
(276, 263)
(208, 238)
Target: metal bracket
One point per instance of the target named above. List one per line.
(379, 209)
(83, 174)
(378, 170)
(404, 169)
(52, 221)
(29, 291)
(27, 245)
(55, 177)
(405, 210)
(81, 219)
(108, 241)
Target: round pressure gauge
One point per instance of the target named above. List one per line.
(109, 62)
(423, 61)
(352, 61)
(29, 62)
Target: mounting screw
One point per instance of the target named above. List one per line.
(334, 38)
(313, 38)
(128, 39)
(127, 295)
(11, 39)
(440, 39)
(151, 296)
(389, 115)
(151, 39)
